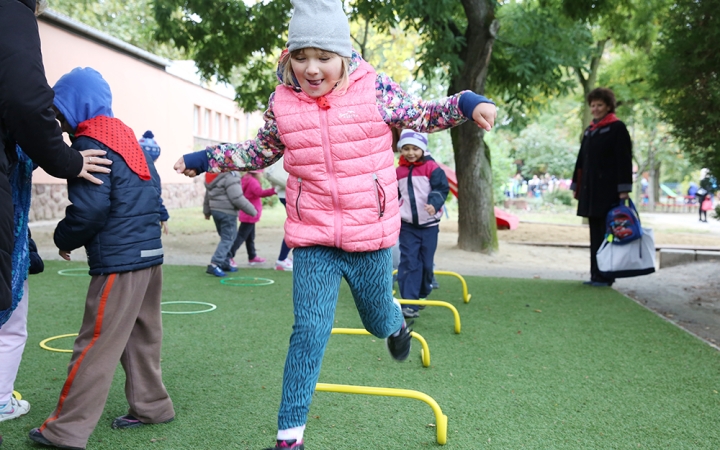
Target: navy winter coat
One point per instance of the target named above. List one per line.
(118, 222)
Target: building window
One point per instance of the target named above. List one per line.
(196, 120)
(206, 123)
(216, 127)
(234, 133)
(226, 129)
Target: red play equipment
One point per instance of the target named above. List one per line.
(504, 220)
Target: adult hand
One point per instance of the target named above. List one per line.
(484, 115)
(91, 159)
(624, 195)
(64, 255)
(430, 209)
(180, 168)
(165, 228)
(207, 217)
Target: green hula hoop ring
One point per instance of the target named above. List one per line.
(43, 343)
(211, 307)
(73, 272)
(261, 281)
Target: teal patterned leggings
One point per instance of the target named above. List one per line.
(317, 272)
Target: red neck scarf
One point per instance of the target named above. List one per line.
(607, 120)
(404, 162)
(120, 138)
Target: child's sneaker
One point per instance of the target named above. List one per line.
(399, 344)
(410, 313)
(215, 270)
(285, 264)
(256, 260)
(232, 263)
(37, 436)
(14, 409)
(292, 443)
(130, 421)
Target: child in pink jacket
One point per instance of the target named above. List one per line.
(331, 118)
(246, 231)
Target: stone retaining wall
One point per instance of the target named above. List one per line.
(49, 200)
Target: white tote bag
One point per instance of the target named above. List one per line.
(628, 260)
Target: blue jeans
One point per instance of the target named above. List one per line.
(225, 224)
(317, 273)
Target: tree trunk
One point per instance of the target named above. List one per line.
(588, 82)
(477, 230)
(652, 193)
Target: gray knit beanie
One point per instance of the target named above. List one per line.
(320, 24)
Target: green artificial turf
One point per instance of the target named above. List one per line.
(539, 364)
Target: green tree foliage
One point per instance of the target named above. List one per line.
(687, 81)
(535, 48)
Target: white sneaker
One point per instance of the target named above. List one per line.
(285, 264)
(14, 409)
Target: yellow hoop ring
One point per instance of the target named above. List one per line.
(17, 395)
(43, 344)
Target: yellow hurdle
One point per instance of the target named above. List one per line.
(424, 352)
(466, 296)
(440, 418)
(435, 303)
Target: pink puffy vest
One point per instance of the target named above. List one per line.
(342, 189)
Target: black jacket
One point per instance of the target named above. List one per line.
(603, 169)
(26, 118)
(118, 222)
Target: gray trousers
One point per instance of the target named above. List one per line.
(226, 227)
(122, 322)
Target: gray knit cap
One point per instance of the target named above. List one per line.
(320, 24)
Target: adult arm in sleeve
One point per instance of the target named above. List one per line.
(623, 160)
(25, 96)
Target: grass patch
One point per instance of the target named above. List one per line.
(539, 364)
(192, 221)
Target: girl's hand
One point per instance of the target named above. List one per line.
(624, 195)
(64, 255)
(180, 168)
(430, 209)
(484, 115)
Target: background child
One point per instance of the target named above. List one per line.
(223, 198)
(423, 189)
(152, 149)
(118, 223)
(331, 117)
(246, 232)
(277, 176)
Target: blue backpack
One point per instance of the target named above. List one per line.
(623, 223)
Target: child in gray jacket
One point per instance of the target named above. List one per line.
(223, 199)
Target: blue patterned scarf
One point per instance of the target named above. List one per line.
(21, 186)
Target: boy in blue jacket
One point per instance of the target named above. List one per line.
(118, 223)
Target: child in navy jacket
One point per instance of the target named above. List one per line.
(423, 189)
(118, 223)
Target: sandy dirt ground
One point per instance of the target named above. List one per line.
(687, 295)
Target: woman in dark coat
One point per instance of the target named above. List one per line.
(603, 172)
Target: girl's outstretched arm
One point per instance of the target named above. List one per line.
(252, 154)
(402, 110)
